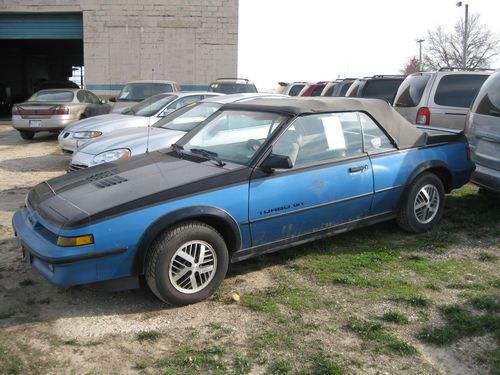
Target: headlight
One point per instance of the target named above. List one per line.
(87, 134)
(107, 156)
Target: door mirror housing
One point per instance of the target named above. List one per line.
(112, 100)
(103, 101)
(275, 161)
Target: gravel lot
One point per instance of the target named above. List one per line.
(45, 329)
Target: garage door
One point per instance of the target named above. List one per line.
(41, 26)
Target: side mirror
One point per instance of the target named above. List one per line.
(103, 101)
(274, 161)
(112, 100)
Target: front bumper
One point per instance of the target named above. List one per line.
(63, 266)
(486, 178)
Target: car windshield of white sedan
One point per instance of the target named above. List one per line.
(54, 96)
(135, 92)
(234, 136)
(187, 118)
(150, 106)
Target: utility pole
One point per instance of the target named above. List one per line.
(420, 41)
(464, 58)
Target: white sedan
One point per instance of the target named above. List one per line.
(143, 114)
(135, 141)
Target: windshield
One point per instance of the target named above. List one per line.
(232, 88)
(55, 96)
(488, 98)
(234, 135)
(150, 106)
(136, 92)
(188, 117)
(353, 89)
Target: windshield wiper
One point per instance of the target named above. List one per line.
(210, 155)
(178, 150)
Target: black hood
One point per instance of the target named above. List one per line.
(83, 197)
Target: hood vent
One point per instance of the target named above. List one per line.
(105, 179)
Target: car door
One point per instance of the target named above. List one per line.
(90, 107)
(330, 183)
(391, 167)
(98, 106)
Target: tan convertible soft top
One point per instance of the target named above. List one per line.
(399, 129)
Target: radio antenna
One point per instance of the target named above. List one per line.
(149, 118)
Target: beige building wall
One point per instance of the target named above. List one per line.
(191, 42)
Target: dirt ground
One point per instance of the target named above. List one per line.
(46, 329)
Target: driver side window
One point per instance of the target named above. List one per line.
(315, 138)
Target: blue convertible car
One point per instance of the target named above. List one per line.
(253, 178)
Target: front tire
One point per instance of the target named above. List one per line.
(186, 263)
(423, 204)
(26, 134)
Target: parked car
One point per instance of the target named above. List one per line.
(129, 142)
(313, 89)
(291, 89)
(379, 87)
(483, 130)
(142, 114)
(338, 87)
(441, 98)
(54, 109)
(135, 92)
(256, 177)
(232, 86)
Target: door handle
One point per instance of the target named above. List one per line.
(358, 168)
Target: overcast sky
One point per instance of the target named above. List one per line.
(314, 40)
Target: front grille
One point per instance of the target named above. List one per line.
(76, 167)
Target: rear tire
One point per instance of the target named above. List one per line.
(26, 134)
(422, 206)
(186, 263)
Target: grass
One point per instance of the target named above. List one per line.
(491, 358)
(10, 363)
(151, 336)
(287, 295)
(189, 360)
(26, 282)
(487, 257)
(462, 322)
(384, 342)
(395, 317)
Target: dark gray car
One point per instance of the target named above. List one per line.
(483, 131)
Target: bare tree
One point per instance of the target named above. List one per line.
(411, 66)
(447, 49)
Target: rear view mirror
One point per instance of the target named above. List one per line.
(274, 161)
(103, 101)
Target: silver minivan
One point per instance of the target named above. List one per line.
(440, 98)
(483, 131)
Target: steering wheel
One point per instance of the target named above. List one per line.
(253, 144)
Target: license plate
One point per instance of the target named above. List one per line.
(35, 123)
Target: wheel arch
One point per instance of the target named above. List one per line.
(437, 167)
(217, 218)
